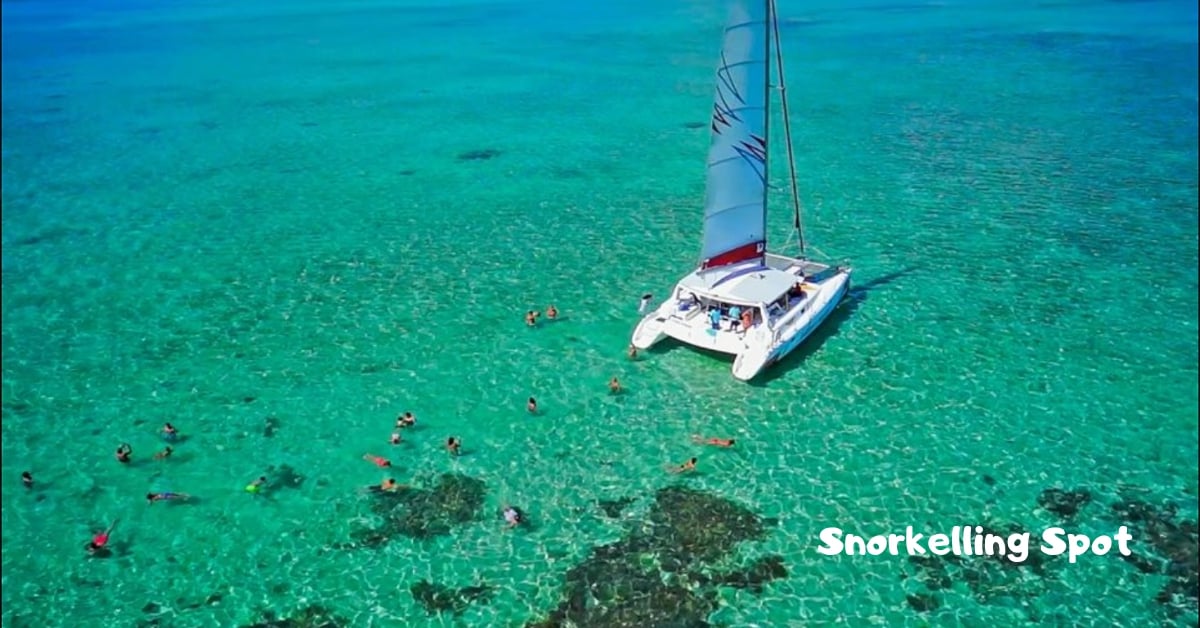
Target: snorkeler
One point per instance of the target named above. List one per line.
(690, 465)
(716, 442)
(166, 495)
(100, 540)
(257, 486)
(513, 517)
(379, 461)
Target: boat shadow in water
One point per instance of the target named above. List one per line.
(831, 326)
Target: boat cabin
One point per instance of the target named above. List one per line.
(742, 298)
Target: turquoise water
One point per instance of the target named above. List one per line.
(256, 223)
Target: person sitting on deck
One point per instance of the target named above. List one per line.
(747, 319)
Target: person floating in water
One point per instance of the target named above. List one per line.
(614, 385)
(396, 438)
(645, 301)
(100, 540)
(406, 420)
(27, 479)
(124, 453)
(552, 312)
(631, 352)
(531, 406)
(257, 486)
(531, 318)
(379, 461)
(453, 445)
(166, 453)
(716, 442)
(690, 465)
(169, 432)
(513, 517)
(388, 485)
(166, 495)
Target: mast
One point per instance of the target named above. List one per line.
(797, 224)
(766, 171)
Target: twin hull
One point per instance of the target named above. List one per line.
(756, 349)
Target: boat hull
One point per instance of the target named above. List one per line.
(750, 368)
(756, 349)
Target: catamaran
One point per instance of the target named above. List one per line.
(742, 299)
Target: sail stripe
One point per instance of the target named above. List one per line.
(735, 190)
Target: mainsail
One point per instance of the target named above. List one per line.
(735, 209)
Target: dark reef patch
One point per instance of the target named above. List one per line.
(439, 598)
(695, 125)
(417, 513)
(309, 617)
(613, 507)
(1064, 503)
(659, 573)
(284, 476)
(1161, 546)
(1177, 550)
(478, 154)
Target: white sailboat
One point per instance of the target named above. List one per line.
(743, 300)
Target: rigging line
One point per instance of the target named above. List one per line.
(787, 126)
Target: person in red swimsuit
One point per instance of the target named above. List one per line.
(379, 461)
(100, 540)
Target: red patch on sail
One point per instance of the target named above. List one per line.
(733, 256)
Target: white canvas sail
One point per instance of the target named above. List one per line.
(735, 221)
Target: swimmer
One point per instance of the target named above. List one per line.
(100, 540)
(124, 452)
(406, 420)
(716, 442)
(513, 517)
(165, 495)
(164, 453)
(645, 301)
(257, 485)
(169, 432)
(379, 461)
(614, 385)
(531, 318)
(396, 438)
(27, 479)
(632, 352)
(690, 465)
(453, 445)
(551, 312)
(531, 405)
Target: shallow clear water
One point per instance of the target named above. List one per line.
(218, 215)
